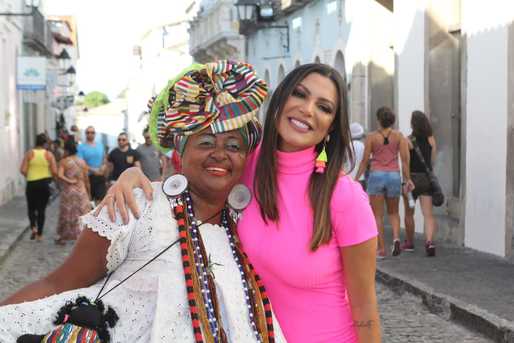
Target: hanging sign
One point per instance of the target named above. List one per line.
(31, 73)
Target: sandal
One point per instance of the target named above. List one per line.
(33, 234)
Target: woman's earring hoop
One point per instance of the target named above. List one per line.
(238, 199)
(174, 185)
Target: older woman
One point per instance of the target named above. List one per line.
(204, 289)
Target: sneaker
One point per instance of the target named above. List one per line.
(407, 246)
(396, 250)
(381, 254)
(430, 249)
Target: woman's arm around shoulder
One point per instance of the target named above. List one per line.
(120, 195)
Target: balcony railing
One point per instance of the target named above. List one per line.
(36, 33)
(214, 32)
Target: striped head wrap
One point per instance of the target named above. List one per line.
(224, 96)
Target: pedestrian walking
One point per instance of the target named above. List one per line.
(383, 147)
(38, 167)
(122, 157)
(153, 161)
(357, 132)
(93, 154)
(421, 137)
(75, 193)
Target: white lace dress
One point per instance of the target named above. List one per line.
(152, 304)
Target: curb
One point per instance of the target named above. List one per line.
(4, 253)
(472, 317)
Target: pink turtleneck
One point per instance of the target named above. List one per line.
(307, 289)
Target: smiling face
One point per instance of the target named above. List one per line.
(213, 164)
(308, 113)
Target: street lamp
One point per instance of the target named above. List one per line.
(251, 14)
(246, 10)
(70, 75)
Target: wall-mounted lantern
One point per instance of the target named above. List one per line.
(255, 15)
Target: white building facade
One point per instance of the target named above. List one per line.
(25, 112)
(11, 135)
(62, 73)
(161, 54)
(452, 59)
(214, 33)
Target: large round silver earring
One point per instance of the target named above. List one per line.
(238, 199)
(174, 185)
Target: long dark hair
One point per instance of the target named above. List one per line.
(339, 150)
(70, 147)
(420, 125)
(41, 140)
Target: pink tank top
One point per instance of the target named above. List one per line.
(385, 156)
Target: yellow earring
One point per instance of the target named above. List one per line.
(322, 159)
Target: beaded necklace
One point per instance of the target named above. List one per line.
(201, 290)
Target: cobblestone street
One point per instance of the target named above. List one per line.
(404, 318)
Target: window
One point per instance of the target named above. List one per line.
(297, 23)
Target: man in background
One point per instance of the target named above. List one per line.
(93, 154)
(153, 162)
(122, 157)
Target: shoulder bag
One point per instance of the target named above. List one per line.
(435, 186)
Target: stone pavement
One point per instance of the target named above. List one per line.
(468, 287)
(404, 319)
(28, 260)
(13, 223)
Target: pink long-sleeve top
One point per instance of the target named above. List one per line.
(307, 289)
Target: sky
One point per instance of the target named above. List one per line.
(107, 32)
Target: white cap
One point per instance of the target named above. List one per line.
(356, 130)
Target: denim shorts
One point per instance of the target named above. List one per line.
(387, 183)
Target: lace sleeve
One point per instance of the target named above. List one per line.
(117, 233)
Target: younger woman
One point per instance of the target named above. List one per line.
(383, 147)
(38, 166)
(75, 193)
(423, 138)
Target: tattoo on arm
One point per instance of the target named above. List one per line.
(366, 324)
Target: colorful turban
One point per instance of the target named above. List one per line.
(224, 96)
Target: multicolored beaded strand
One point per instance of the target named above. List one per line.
(201, 268)
(242, 261)
(186, 263)
(252, 284)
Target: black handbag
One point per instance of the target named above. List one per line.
(435, 186)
